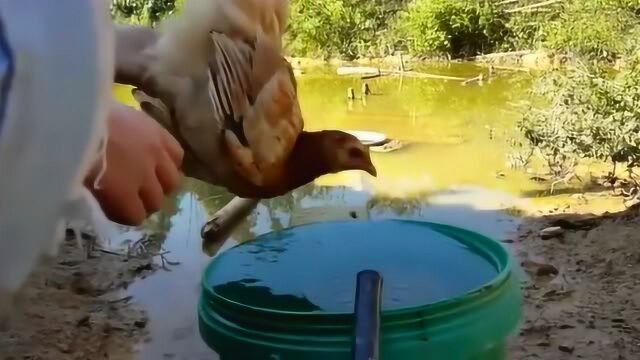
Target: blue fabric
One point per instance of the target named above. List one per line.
(6, 72)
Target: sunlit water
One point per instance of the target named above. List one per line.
(452, 171)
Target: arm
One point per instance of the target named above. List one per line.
(57, 71)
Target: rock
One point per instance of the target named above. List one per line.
(551, 232)
(141, 324)
(84, 321)
(64, 347)
(537, 60)
(539, 269)
(577, 222)
(565, 326)
(566, 348)
(544, 343)
(546, 270)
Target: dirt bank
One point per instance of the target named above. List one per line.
(76, 309)
(583, 296)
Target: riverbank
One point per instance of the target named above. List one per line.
(76, 308)
(582, 297)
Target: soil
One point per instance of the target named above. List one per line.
(75, 308)
(582, 295)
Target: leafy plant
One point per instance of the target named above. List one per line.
(346, 28)
(595, 29)
(591, 113)
(147, 12)
(455, 27)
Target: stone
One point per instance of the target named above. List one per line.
(566, 348)
(551, 232)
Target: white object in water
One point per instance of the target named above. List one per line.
(369, 138)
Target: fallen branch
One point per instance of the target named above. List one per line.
(503, 54)
(216, 230)
(506, 2)
(534, 6)
(509, 68)
(478, 78)
(358, 70)
(374, 72)
(428, 76)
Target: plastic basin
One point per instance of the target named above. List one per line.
(448, 293)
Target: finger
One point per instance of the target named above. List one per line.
(168, 175)
(152, 196)
(173, 147)
(126, 210)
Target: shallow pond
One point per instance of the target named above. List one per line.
(453, 170)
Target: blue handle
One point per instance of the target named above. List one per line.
(366, 337)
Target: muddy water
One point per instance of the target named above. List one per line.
(453, 170)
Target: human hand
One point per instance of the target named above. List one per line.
(179, 102)
(143, 166)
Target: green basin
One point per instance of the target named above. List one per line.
(448, 293)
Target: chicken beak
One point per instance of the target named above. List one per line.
(371, 170)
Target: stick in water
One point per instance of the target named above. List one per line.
(216, 230)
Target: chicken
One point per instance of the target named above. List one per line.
(230, 98)
(251, 85)
(314, 154)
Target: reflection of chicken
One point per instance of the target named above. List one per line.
(230, 97)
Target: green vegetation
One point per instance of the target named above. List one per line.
(143, 12)
(347, 28)
(454, 28)
(600, 29)
(350, 29)
(590, 113)
(596, 29)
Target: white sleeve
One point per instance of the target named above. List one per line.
(56, 73)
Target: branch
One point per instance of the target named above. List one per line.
(371, 72)
(534, 6)
(216, 230)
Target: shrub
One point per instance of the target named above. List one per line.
(596, 29)
(455, 27)
(591, 113)
(147, 12)
(346, 28)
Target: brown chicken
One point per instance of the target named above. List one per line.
(230, 98)
(314, 154)
(251, 85)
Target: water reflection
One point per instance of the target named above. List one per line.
(264, 295)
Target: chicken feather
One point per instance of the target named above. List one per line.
(251, 85)
(230, 98)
